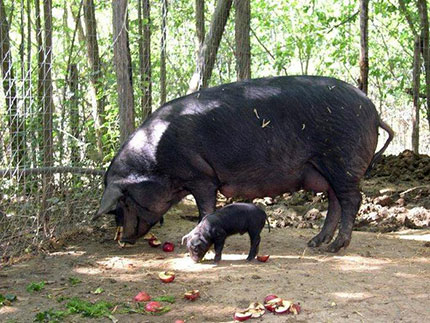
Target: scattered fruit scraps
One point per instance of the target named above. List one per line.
(272, 303)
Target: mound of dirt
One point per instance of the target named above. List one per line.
(407, 166)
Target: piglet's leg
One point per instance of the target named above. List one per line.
(255, 243)
(218, 246)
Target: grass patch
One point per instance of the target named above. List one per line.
(51, 316)
(35, 287)
(88, 309)
(74, 281)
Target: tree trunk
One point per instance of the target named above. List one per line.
(200, 24)
(364, 48)
(15, 125)
(96, 77)
(424, 23)
(47, 106)
(31, 153)
(243, 46)
(207, 55)
(38, 111)
(416, 94)
(163, 53)
(123, 69)
(144, 17)
(415, 78)
(74, 113)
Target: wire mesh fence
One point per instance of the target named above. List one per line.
(49, 177)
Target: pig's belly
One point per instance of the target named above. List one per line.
(267, 187)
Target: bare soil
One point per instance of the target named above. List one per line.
(381, 277)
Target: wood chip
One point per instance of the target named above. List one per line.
(256, 113)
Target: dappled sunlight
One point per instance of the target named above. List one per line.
(406, 275)
(349, 296)
(119, 263)
(7, 310)
(417, 235)
(88, 270)
(359, 264)
(68, 253)
(187, 264)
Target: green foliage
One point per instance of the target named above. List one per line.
(87, 309)
(7, 299)
(51, 316)
(35, 287)
(98, 290)
(74, 281)
(166, 298)
(139, 308)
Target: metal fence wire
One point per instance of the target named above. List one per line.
(49, 181)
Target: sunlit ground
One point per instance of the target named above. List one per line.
(352, 296)
(422, 235)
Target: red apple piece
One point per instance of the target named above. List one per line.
(284, 307)
(142, 297)
(269, 297)
(256, 309)
(263, 258)
(166, 276)
(242, 315)
(168, 246)
(153, 306)
(149, 236)
(256, 305)
(154, 243)
(256, 313)
(192, 295)
(295, 309)
(272, 304)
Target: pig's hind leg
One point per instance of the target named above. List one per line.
(255, 238)
(331, 221)
(314, 181)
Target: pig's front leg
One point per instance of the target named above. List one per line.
(218, 246)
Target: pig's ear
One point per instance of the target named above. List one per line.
(109, 200)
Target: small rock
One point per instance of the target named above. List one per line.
(401, 202)
(383, 200)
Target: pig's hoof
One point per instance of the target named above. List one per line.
(250, 259)
(340, 242)
(319, 239)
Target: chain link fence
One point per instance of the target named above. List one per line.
(50, 174)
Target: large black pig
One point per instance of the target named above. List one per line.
(254, 138)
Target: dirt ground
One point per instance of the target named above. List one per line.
(381, 277)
